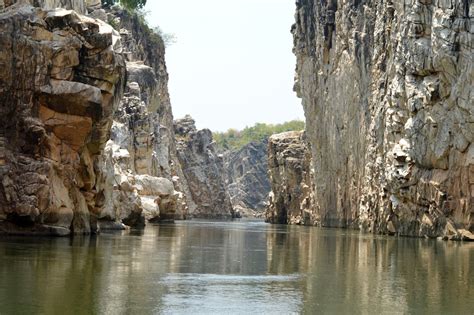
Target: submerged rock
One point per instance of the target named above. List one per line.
(387, 89)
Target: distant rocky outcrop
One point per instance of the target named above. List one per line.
(247, 179)
(61, 78)
(387, 89)
(290, 170)
(203, 169)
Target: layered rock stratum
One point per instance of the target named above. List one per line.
(203, 168)
(289, 167)
(248, 184)
(61, 77)
(141, 175)
(387, 89)
(86, 133)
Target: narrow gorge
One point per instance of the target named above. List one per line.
(140, 174)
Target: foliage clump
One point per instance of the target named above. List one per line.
(128, 4)
(234, 139)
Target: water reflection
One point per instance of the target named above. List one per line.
(243, 267)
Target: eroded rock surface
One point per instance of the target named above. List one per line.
(60, 80)
(289, 167)
(387, 88)
(203, 168)
(142, 138)
(247, 178)
(80, 148)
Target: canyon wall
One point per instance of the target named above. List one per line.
(247, 179)
(86, 127)
(204, 171)
(141, 174)
(387, 89)
(291, 200)
(61, 77)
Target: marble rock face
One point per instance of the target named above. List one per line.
(289, 167)
(141, 150)
(60, 75)
(387, 89)
(247, 179)
(203, 169)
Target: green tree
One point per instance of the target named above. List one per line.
(234, 139)
(129, 4)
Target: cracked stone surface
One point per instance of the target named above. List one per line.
(247, 180)
(60, 75)
(291, 199)
(204, 170)
(387, 89)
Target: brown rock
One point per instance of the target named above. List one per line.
(55, 117)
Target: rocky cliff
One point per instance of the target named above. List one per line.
(289, 167)
(247, 179)
(86, 128)
(203, 169)
(140, 169)
(61, 77)
(387, 89)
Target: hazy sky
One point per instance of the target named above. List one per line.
(232, 63)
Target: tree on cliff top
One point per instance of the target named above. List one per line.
(234, 139)
(129, 4)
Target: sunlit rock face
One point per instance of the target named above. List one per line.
(387, 89)
(87, 138)
(142, 138)
(203, 168)
(60, 82)
(77, 5)
(247, 179)
(289, 169)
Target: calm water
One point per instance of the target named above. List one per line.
(243, 268)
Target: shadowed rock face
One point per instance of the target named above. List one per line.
(203, 169)
(60, 81)
(247, 179)
(387, 89)
(289, 169)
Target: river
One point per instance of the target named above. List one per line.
(242, 267)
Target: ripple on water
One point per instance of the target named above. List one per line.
(236, 294)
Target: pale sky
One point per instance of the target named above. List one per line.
(232, 64)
